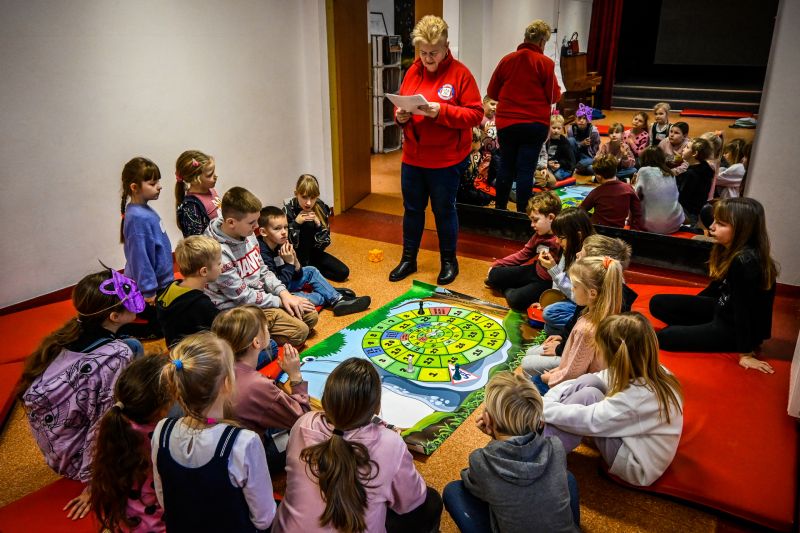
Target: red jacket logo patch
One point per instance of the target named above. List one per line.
(446, 92)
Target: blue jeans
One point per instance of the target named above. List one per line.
(135, 345)
(556, 316)
(625, 173)
(471, 514)
(323, 293)
(441, 186)
(561, 174)
(584, 160)
(267, 355)
(520, 145)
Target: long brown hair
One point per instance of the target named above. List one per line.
(121, 461)
(93, 307)
(188, 168)
(239, 326)
(653, 156)
(748, 221)
(308, 185)
(629, 346)
(137, 170)
(343, 468)
(573, 224)
(604, 275)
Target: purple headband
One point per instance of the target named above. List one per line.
(126, 290)
(584, 111)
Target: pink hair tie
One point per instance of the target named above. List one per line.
(178, 177)
(195, 163)
(606, 262)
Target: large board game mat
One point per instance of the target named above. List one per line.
(434, 350)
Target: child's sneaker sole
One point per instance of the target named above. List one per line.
(348, 307)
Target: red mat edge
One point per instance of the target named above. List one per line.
(714, 113)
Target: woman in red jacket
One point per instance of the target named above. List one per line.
(525, 87)
(437, 140)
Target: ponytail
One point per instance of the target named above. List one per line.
(180, 194)
(339, 466)
(188, 169)
(604, 275)
(45, 354)
(121, 462)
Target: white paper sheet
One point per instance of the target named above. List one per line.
(408, 103)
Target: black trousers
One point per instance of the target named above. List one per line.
(521, 285)
(329, 266)
(423, 519)
(693, 325)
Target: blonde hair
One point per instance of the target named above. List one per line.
(308, 185)
(196, 252)
(199, 366)
(239, 326)
(430, 29)
(557, 120)
(188, 169)
(514, 404)
(716, 143)
(600, 245)
(662, 105)
(629, 346)
(238, 202)
(538, 30)
(604, 275)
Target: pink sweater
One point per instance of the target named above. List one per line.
(259, 404)
(624, 155)
(671, 152)
(580, 354)
(637, 143)
(397, 485)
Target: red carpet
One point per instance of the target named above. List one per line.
(23, 331)
(714, 113)
(41, 511)
(738, 451)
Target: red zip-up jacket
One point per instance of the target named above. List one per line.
(446, 140)
(524, 85)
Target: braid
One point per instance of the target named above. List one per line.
(122, 217)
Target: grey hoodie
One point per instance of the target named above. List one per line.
(245, 279)
(524, 481)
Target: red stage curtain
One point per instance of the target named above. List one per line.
(603, 42)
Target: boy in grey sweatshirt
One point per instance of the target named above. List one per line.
(519, 481)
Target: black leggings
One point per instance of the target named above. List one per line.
(521, 285)
(692, 324)
(310, 255)
(424, 518)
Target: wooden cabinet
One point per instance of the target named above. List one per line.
(580, 84)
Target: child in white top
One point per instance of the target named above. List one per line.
(634, 409)
(730, 177)
(189, 452)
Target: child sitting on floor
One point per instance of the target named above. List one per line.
(520, 276)
(548, 354)
(694, 184)
(637, 138)
(196, 199)
(280, 257)
(570, 227)
(661, 124)
(183, 308)
(597, 286)
(560, 156)
(616, 147)
(519, 470)
(613, 200)
(731, 176)
(245, 279)
(585, 139)
(123, 497)
(347, 473)
(715, 159)
(209, 475)
(633, 410)
(673, 147)
(310, 229)
(85, 355)
(657, 190)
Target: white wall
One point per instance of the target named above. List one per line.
(490, 29)
(88, 84)
(772, 176)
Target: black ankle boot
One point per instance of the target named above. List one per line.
(407, 266)
(449, 269)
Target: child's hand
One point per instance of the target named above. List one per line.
(402, 116)
(546, 378)
(555, 165)
(290, 363)
(482, 425)
(587, 141)
(151, 300)
(549, 348)
(295, 305)
(313, 218)
(286, 252)
(546, 260)
(748, 361)
(79, 507)
(536, 305)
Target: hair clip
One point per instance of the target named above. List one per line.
(119, 405)
(555, 112)
(125, 289)
(195, 163)
(178, 363)
(606, 262)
